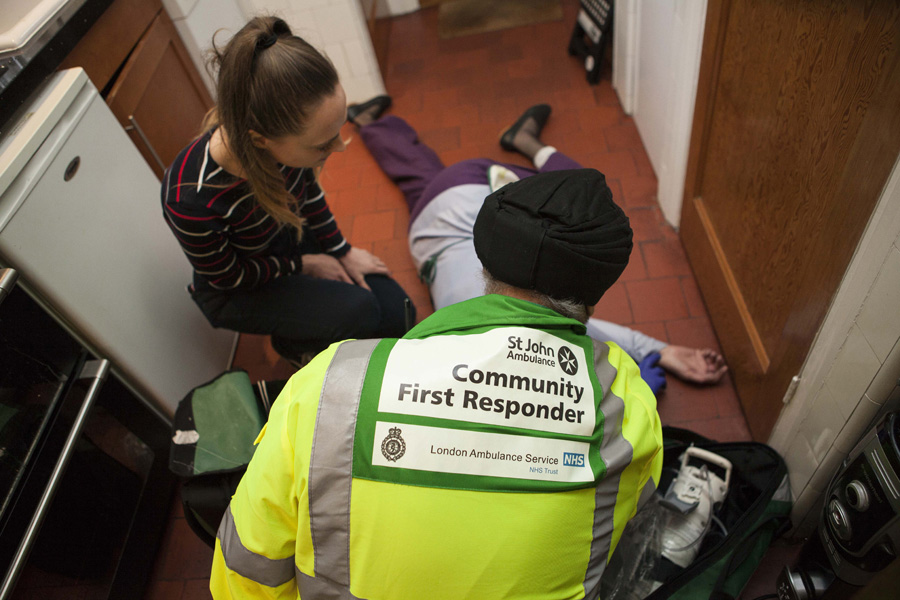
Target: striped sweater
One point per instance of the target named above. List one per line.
(229, 239)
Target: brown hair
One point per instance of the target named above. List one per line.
(269, 80)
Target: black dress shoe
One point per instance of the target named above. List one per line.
(382, 102)
(539, 112)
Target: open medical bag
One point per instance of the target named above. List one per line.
(754, 512)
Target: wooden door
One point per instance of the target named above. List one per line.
(796, 129)
(159, 98)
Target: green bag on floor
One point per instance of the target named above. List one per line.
(215, 426)
(213, 432)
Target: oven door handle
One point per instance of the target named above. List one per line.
(7, 282)
(95, 371)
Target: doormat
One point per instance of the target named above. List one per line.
(468, 17)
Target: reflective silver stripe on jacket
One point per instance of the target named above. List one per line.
(320, 588)
(267, 571)
(617, 454)
(331, 471)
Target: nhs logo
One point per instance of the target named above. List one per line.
(570, 459)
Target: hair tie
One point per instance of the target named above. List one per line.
(265, 42)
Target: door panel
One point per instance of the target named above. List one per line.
(796, 128)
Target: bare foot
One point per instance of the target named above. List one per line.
(693, 364)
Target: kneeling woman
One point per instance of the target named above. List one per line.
(244, 202)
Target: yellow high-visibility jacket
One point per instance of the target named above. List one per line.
(494, 452)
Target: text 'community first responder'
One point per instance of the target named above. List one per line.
(513, 377)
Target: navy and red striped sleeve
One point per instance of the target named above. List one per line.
(319, 218)
(224, 233)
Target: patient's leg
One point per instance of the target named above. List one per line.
(401, 155)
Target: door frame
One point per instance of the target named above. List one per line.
(681, 52)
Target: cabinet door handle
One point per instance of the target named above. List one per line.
(96, 371)
(137, 128)
(7, 282)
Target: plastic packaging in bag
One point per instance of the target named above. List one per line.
(628, 574)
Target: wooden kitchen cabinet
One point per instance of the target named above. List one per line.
(135, 56)
(159, 97)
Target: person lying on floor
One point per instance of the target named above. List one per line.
(444, 201)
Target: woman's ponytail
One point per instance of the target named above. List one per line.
(268, 81)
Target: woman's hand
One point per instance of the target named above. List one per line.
(359, 263)
(324, 266)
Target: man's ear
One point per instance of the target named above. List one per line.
(258, 140)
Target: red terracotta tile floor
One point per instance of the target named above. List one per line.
(459, 94)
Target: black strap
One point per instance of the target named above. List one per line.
(205, 498)
(685, 437)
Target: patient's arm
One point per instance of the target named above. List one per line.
(638, 345)
(691, 364)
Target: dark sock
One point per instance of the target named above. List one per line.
(526, 140)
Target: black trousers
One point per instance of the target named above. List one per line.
(306, 314)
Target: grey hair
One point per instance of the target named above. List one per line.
(567, 308)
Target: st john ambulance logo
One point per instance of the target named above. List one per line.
(567, 360)
(393, 446)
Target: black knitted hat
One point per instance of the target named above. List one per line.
(558, 233)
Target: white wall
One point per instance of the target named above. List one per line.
(656, 67)
(197, 21)
(656, 73)
(624, 56)
(850, 376)
(336, 27)
(399, 7)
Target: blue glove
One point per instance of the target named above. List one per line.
(652, 373)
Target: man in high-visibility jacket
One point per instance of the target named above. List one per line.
(495, 451)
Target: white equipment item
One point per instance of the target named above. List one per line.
(692, 498)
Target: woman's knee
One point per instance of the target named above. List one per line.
(218, 310)
(355, 314)
(397, 311)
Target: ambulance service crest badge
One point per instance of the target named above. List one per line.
(393, 446)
